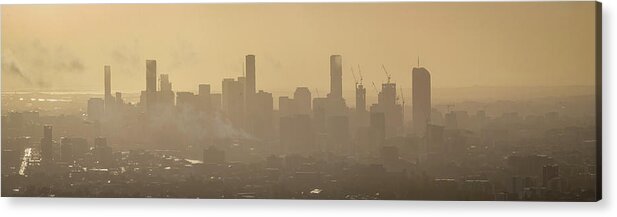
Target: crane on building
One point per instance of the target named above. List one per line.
(354, 77)
(375, 87)
(386, 71)
(360, 74)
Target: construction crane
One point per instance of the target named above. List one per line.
(386, 71)
(375, 87)
(354, 77)
(360, 74)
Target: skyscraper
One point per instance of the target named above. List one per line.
(250, 76)
(319, 114)
(204, 97)
(336, 77)
(164, 83)
(296, 134)
(119, 100)
(46, 144)
(262, 126)
(393, 112)
(233, 100)
(204, 89)
(360, 98)
(377, 129)
(96, 108)
(287, 106)
(360, 119)
(302, 98)
(109, 101)
(337, 128)
(387, 96)
(215, 101)
(166, 97)
(421, 99)
(150, 83)
(249, 113)
(186, 101)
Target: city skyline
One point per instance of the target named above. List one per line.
(398, 133)
(77, 47)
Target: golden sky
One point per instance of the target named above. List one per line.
(64, 47)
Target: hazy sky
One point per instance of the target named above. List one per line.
(64, 47)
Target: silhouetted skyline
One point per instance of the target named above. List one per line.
(269, 117)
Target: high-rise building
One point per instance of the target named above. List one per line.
(319, 114)
(250, 77)
(263, 126)
(377, 129)
(287, 106)
(336, 77)
(186, 101)
(360, 117)
(204, 89)
(421, 99)
(249, 113)
(96, 108)
(109, 99)
(150, 84)
(165, 85)
(119, 100)
(233, 100)
(302, 98)
(215, 101)
(166, 96)
(360, 98)
(204, 97)
(387, 96)
(337, 128)
(393, 112)
(47, 145)
(296, 134)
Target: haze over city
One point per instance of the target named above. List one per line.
(464, 44)
(392, 101)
